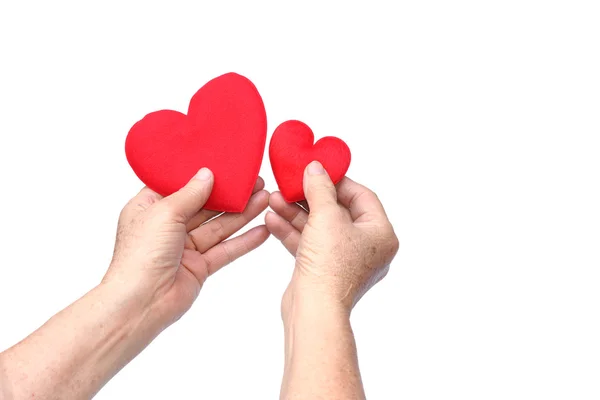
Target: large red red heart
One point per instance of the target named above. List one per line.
(225, 130)
(292, 149)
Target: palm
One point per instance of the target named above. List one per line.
(206, 248)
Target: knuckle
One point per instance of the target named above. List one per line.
(328, 184)
(321, 180)
(373, 197)
(322, 192)
(389, 239)
(128, 210)
(388, 229)
(124, 214)
(217, 229)
(394, 244)
(193, 191)
(228, 255)
(325, 186)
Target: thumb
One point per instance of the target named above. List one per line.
(318, 188)
(188, 200)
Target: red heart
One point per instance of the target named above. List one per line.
(225, 130)
(292, 149)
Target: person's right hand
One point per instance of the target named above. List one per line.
(167, 247)
(343, 245)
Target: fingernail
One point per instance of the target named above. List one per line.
(315, 168)
(204, 174)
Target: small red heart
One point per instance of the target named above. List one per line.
(225, 130)
(292, 149)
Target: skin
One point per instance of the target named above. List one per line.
(163, 255)
(342, 248)
(165, 250)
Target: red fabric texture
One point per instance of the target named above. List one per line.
(291, 149)
(225, 130)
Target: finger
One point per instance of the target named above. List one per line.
(292, 212)
(361, 201)
(283, 231)
(201, 217)
(318, 188)
(228, 251)
(205, 215)
(188, 200)
(195, 263)
(148, 195)
(220, 228)
(304, 205)
(258, 185)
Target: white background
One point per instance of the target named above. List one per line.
(476, 122)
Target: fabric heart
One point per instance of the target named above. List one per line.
(292, 149)
(225, 130)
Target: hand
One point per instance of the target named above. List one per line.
(166, 248)
(343, 246)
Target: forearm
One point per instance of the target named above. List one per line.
(320, 356)
(78, 350)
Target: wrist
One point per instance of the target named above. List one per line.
(320, 352)
(123, 325)
(87, 342)
(310, 303)
(130, 305)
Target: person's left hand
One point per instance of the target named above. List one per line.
(167, 247)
